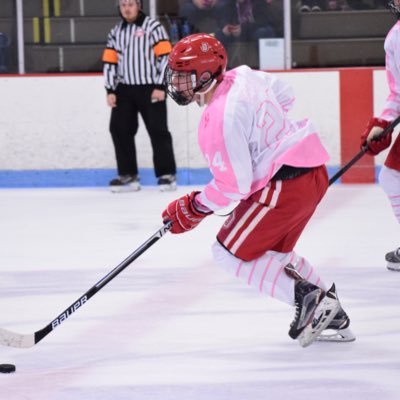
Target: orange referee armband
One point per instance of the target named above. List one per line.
(162, 48)
(110, 56)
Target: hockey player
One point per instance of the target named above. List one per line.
(389, 177)
(272, 166)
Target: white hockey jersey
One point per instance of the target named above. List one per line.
(246, 136)
(391, 109)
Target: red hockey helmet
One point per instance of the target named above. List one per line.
(193, 64)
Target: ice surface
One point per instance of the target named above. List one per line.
(173, 326)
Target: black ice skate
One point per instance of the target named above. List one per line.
(338, 329)
(125, 183)
(323, 315)
(307, 298)
(167, 183)
(393, 260)
(315, 309)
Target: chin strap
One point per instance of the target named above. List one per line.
(202, 95)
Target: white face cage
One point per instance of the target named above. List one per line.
(182, 86)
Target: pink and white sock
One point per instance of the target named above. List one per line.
(389, 180)
(266, 273)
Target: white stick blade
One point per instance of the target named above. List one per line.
(12, 339)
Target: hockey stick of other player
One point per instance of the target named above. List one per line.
(362, 152)
(13, 339)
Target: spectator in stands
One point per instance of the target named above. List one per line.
(245, 20)
(134, 63)
(311, 5)
(324, 5)
(202, 15)
(275, 14)
(337, 5)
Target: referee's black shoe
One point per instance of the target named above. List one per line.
(125, 183)
(167, 183)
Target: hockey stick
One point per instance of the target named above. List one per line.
(13, 339)
(362, 152)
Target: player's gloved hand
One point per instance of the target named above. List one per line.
(185, 213)
(370, 138)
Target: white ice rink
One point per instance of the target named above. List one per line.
(173, 326)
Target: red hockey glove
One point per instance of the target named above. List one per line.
(376, 143)
(184, 214)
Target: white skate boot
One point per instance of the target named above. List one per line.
(315, 308)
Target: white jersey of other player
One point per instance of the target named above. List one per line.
(391, 109)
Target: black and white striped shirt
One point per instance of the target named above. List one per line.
(136, 53)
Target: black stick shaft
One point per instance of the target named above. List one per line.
(348, 165)
(39, 335)
(362, 152)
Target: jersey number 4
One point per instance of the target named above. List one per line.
(217, 162)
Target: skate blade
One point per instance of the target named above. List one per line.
(333, 335)
(393, 266)
(125, 188)
(324, 314)
(170, 187)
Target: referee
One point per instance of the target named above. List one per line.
(134, 63)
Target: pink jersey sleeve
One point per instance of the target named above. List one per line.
(391, 109)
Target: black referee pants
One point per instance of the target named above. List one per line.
(131, 100)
